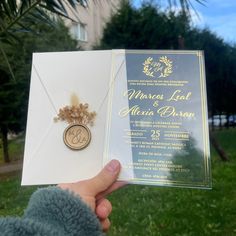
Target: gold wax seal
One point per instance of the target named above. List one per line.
(77, 136)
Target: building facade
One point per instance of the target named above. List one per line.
(89, 21)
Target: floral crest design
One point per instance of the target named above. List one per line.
(160, 69)
(76, 113)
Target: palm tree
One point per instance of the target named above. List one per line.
(15, 13)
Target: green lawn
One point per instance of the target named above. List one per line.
(13, 197)
(144, 210)
(16, 148)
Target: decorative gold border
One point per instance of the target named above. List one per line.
(204, 119)
(109, 111)
(206, 151)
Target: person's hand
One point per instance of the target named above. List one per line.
(93, 191)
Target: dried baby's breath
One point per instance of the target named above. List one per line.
(76, 114)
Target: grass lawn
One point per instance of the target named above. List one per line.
(144, 210)
(13, 197)
(16, 148)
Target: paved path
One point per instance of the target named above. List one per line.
(11, 167)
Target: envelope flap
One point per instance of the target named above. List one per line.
(55, 76)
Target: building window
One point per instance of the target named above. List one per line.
(79, 32)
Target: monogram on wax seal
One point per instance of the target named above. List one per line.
(77, 135)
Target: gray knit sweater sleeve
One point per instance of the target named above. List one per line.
(52, 211)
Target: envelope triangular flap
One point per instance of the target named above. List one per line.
(55, 77)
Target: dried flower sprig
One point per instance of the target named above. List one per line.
(76, 114)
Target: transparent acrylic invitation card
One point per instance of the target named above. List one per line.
(157, 118)
(145, 108)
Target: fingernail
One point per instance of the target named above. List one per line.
(113, 166)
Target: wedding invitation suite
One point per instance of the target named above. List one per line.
(146, 108)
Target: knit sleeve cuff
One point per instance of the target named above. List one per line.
(63, 210)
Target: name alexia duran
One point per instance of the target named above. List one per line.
(164, 111)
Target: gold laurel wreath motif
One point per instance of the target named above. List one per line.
(168, 70)
(149, 66)
(147, 69)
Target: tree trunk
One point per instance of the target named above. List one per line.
(220, 120)
(227, 117)
(5, 143)
(212, 123)
(218, 148)
(212, 120)
(181, 43)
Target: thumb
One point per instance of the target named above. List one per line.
(105, 178)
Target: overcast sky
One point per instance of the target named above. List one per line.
(218, 15)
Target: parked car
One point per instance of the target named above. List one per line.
(232, 120)
(216, 120)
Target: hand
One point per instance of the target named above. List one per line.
(93, 191)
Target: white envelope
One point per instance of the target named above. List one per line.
(55, 77)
